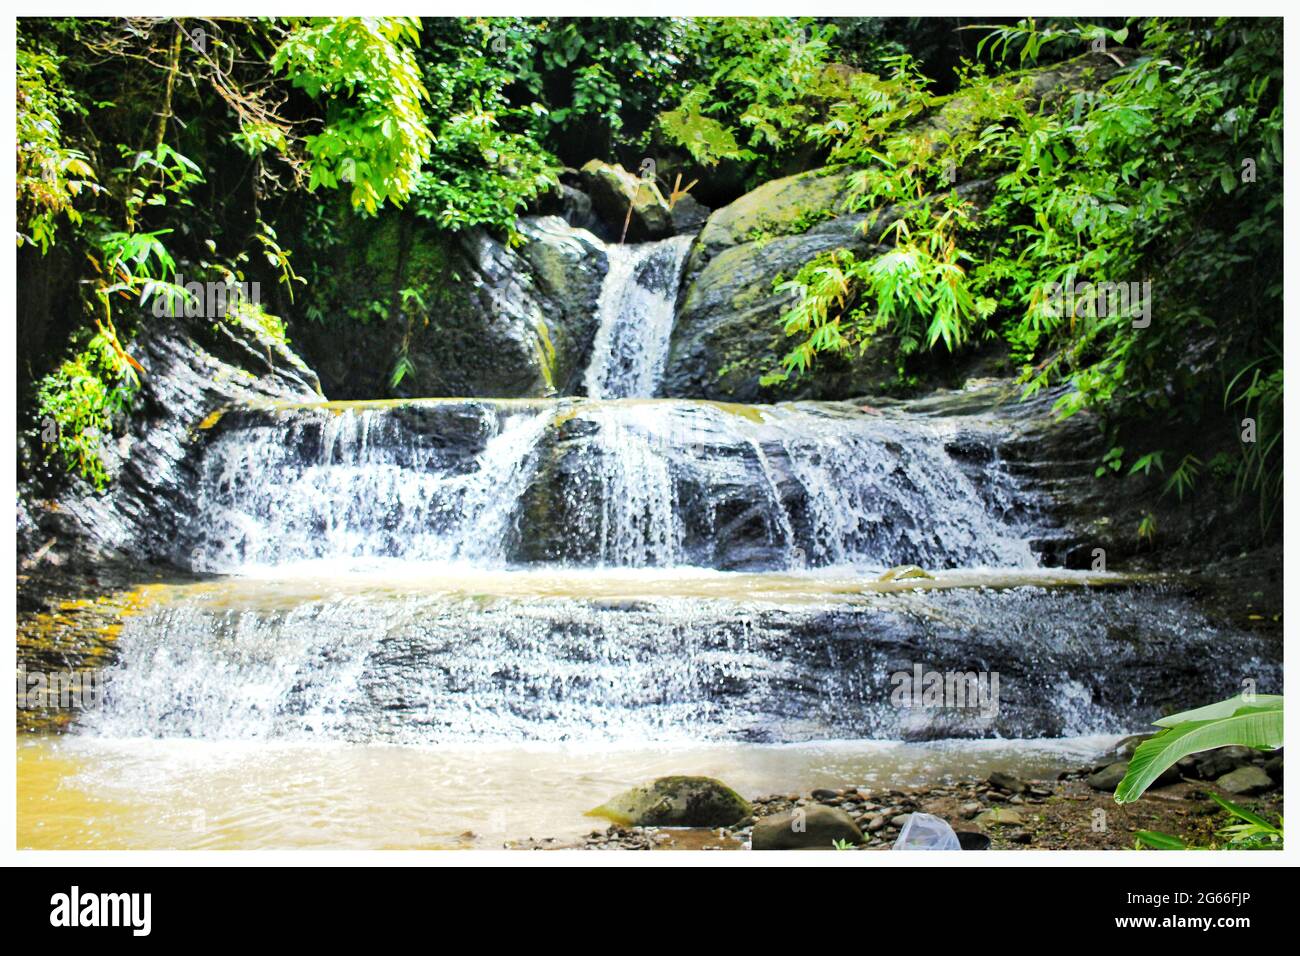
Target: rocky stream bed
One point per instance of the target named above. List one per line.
(1075, 811)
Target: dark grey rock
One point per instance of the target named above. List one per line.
(1246, 781)
(816, 827)
(1215, 763)
(689, 215)
(613, 189)
(1109, 777)
(1124, 749)
(194, 369)
(497, 321)
(1006, 781)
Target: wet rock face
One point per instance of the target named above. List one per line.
(781, 207)
(531, 316)
(193, 369)
(496, 321)
(727, 334)
(407, 667)
(787, 487)
(430, 480)
(1246, 781)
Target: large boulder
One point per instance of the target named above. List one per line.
(193, 370)
(677, 802)
(780, 207)
(728, 333)
(613, 189)
(493, 320)
(814, 827)
(1215, 763)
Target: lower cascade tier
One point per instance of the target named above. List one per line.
(701, 656)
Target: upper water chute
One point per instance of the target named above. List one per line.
(635, 312)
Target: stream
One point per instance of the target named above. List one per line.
(454, 622)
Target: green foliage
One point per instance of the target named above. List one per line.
(1146, 530)
(1237, 721)
(1256, 392)
(1155, 840)
(1252, 833)
(486, 162)
(1129, 174)
(599, 82)
(1184, 476)
(917, 291)
(132, 162)
(253, 316)
(375, 137)
(764, 79)
(50, 175)
(81, 399)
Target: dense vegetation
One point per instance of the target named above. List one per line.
(151, 148)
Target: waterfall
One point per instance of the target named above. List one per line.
(627, 483)
(619, 567)
(635, 314)
(410, 661)
(673, 482)
(437, 481)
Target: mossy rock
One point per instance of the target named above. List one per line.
(676, 802)
(612, 189)
(779, 207)
(906, 572)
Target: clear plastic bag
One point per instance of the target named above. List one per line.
(923, 831)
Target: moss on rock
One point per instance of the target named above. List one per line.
(676, 802)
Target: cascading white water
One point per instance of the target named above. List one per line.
(365, 482)
(635, 490)
(635, 313)
(625, 627)
(398, 661)
(665, 483)
(888, 491)
(629, 483)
